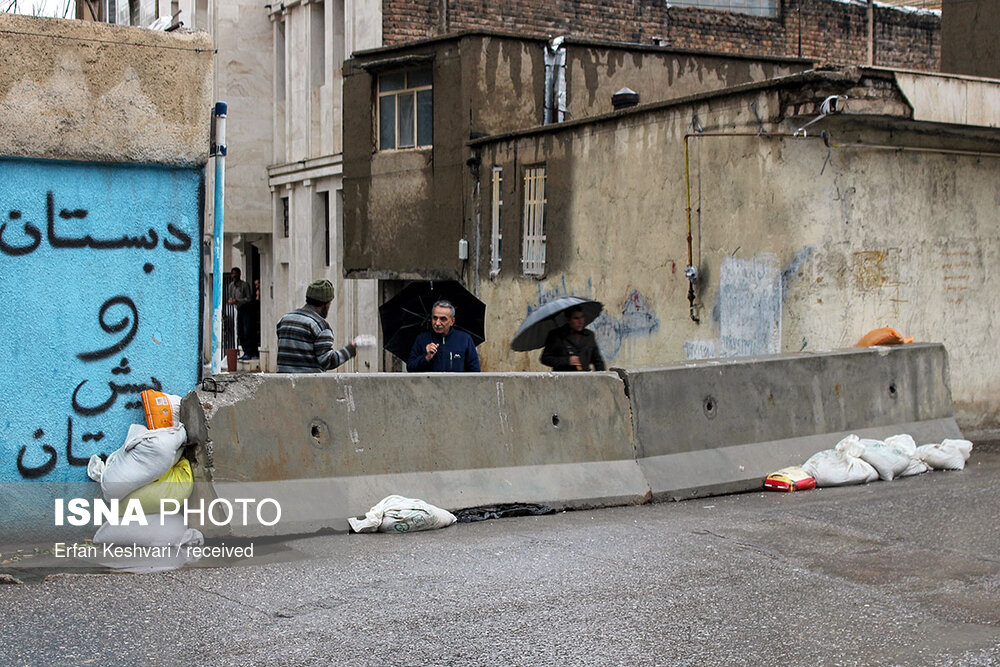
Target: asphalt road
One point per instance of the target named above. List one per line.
(891, 573)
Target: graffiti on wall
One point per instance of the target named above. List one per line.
(749, 309)
(99, 268)
(611, 330)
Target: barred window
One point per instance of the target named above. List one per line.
(496, 234)
(533, 235)
(405, 110)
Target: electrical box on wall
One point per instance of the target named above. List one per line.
(463, 249)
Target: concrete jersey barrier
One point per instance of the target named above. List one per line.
(721, 426)
(330, 446)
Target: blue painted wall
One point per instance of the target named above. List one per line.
(100, 280)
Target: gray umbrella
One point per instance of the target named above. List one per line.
(552, 315)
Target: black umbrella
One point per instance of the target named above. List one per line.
(533, 331)
(408, 313)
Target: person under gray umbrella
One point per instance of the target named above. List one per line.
(561, 324)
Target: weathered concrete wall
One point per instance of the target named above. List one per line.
(328, 447)
(244, 79)
(800, 246)
(405, 208)
(79, 90)
(103, 141)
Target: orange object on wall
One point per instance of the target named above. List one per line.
(883, 336)
(159, 414)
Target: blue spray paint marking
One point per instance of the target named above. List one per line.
(100, 270)
(637, 317)
(792, 269)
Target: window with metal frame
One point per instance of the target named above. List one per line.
(405, 109)
(767, 8)
(533, 233)
(496, 234)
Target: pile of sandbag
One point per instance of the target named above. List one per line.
(148, 468)
(857, 460)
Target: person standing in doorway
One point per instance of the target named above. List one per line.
(241, 296)
(443, 349)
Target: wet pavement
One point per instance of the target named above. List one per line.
(891, 573)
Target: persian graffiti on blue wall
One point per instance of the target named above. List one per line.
(637, 317)
(99, 271)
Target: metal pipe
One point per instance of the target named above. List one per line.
(691, 271)
(218, 225)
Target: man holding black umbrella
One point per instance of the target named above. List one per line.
(443, 349)
(572, 347)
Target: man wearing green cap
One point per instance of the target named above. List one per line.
(305, 339)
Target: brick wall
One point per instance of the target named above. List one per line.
(831, 31)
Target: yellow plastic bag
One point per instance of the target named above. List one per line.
(176, 484)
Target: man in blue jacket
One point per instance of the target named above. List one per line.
(443, 349)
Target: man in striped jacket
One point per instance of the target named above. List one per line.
(305, 339)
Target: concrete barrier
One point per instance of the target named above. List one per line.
(329, 446)
(713, 427)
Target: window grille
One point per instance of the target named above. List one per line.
(533, 248)
(496, 235)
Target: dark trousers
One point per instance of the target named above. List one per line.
(245, 318)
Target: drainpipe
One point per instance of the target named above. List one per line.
(219, 151)
(555, 82)
(871, 33)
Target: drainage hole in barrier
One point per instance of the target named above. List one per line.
(892, 390)
(555, 420)
(710, 407)
(319, 433)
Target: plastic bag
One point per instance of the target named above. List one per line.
(162, 410)
(792, 478)
(161, 530)
(888, 460)
(176, 484)
(949, 455)
(883, 336)
(841, 465)
(145, 457)
(402, 515)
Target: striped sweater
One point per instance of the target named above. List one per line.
(305, 343)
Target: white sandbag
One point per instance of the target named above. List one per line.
(903, 442)
(851, 446)
(838, 467)
(888, 460)
(907, 444)
(915, 467)
(402, 515)
(145, 457)
(171, 531)
(951, 454)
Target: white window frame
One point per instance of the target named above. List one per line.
(496, 231)
(533, 230)
(405, 90)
